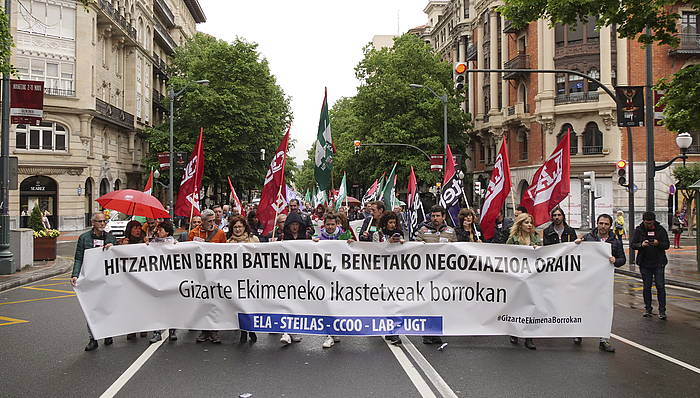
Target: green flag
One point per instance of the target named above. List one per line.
(388, 194)
(342, 194)
(307, 196)
(324, 149)
(380, 188)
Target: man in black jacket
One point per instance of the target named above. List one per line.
(305, 219)
(558, 231)
(602, 234)
(502, 231)
(371, 224)
(650, 240)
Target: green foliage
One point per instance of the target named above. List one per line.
(686, 175)
(35, 222)
(682, 100)
(629, 16)
(387, 110)
(241, 110)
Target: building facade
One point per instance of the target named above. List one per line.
(533, 111)
(104, 69)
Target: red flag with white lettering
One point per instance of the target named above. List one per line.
(235, 199)
(149, 184)
(188, 196)
(550, 184)
(274, 192)
(496, 193)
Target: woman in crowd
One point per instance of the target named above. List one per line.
(389, 228)
(523, 233)
(345, 223)
(293, 230)
(133, 233)
(239, 232)
(317, 216)
(468, 230)
(163, 234)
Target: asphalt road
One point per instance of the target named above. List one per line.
(42, 331)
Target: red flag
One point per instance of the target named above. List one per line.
(449, 166)
(414, 205)
(550, 184)
(188, 197)
(234, 197)
(274, 190)
(149, 184)
(496, 193)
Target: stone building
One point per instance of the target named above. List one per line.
(533, 111)
(104, 69)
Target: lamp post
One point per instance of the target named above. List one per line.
(6, 259)
(172, 95)
(684, 141)
(442, 98)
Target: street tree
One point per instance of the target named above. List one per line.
(630, 18)
(241, 111)
(686, 176)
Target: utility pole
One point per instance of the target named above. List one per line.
(6, 261)
(649, 110)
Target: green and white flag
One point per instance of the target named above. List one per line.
(320, 197)
(389, 192)
(307, 196)
(324, 149)
(342, 194)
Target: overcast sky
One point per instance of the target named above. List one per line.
(311, 44)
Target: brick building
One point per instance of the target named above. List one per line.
(533, 111)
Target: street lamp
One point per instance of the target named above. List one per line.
(442, 98)
(683, 140)
(172, 95)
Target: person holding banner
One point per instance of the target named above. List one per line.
(133, 234)
(602, 233)
(208, 231)
(96, 237)
(163, 234)
(239, 232)
(523, 233)
(468, 230)
(389, 229)
(293, 230)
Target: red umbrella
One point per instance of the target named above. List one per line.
(133, 203)
(351, 201)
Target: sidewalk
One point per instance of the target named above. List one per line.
(682, 269)
(40, 270)
(70, 235)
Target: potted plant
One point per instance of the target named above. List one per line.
(44, 238)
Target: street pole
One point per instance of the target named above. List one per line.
(630, 190)
(443, 98)
(649, 107)
(6, 266)
(171, 94)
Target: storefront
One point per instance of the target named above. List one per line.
(39, 191)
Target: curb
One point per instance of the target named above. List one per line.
(37, 276)
(672, 282)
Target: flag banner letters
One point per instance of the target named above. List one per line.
(336, 288)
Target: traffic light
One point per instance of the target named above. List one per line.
(460, 75)
(357, 144)
(589, 181)
(622, 172)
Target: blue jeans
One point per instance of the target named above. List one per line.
(655, 275)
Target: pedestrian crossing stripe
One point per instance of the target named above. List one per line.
(10, 321)
(48, 290)
(38, 299)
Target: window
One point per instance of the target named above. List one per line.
(57, 76)
(592, 34)
(559, 35)
(574, 34)
(38, 17)
(573, 140)
(522, 139)
(695, 146)
(561, 84)
(595, 74)
(689, 24)
(575, 84)
(47, 136)
(592, 139)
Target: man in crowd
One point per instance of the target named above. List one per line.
(185, 235)
(519, 210)
(502, 231)
(96, 237)
(435, 231)
(650, 240)
(558, 231)
(602, 234)
(219, 219)
(371, 223)
(305, 218)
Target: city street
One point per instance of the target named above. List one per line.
(43, 333)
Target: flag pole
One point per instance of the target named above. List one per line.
(196, 192)
(277, 212)
(512, 196)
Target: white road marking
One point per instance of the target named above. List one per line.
(443, 388)
(687, 289)
(656, 353)
(131, 370)
(418, 381)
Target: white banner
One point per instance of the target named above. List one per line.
(336, 288)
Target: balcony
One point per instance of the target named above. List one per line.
(471, 53)
(58, 92)
(508, 27)
(163, 38)
(160, 67)
(114, 115)
(574, 98)
(161, 8)
(592, 149)
(521, 61)
(517, 111)
(158, 100)
(689, 45)
(117, 18)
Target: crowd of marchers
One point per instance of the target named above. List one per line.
(223, 224)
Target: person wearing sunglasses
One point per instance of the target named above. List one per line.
(96, 237)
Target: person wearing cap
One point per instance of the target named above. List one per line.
(650, 240)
